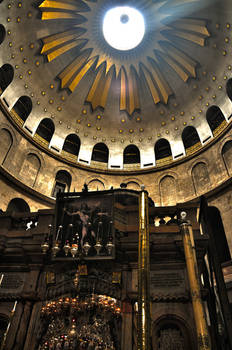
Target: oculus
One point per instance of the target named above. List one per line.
(80, 33)
(123, 27)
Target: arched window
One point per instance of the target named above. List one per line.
(46, 129)
(72, 144)
(163, 151)
(229, 88)
(6, 76)
(100, 153)
(23, 107)
(227, 156)
(190, 140)
(18, 205)
(131, 155)
(62, 182)
(215, 118)
(2, 33)
(219, 235)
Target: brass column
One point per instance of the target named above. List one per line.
(143, 340)
(203, 340)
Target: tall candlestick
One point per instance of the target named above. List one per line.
(1, 279)
(194, 283)
(143, 338)
(8, 326)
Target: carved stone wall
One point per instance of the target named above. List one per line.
(30, 168)
(183, 183)
(187, 183)
(168, 191)
(201, 178)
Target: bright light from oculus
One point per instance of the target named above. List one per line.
(123, 27)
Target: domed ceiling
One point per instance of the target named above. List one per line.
(76, 78)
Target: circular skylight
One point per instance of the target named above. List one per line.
(123, 27)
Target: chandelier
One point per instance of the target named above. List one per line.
(83, 322)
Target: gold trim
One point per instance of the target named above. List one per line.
(164, 161)
(144, 317)
(69, 156)
(220, 128)
(41, 140)
(193, 148)
(16, 117)
(162, 49)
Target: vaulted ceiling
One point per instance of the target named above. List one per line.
(83, 86)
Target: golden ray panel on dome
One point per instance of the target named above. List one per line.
(89, 51)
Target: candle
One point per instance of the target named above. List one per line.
(15, 304)
(1, 279)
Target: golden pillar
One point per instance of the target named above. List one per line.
(143, 340)
(203, 340)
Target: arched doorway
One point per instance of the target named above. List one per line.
(215, 119)
(131, 155)
(72, 146)
(171, 333)
(23, 107)
(46, 129)
(62, 182)
(6, 76)
(190, 140)
(100, 153)
(162, 151)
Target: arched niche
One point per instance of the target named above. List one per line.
(2, 33)
(131, 155)
(18, 205)
(215, 118)
(168, 193)
(219, 235)
(6, 76)
(227, 156)
(6, 141)
(171, 333)
(201, 179)
(162, 151)
(96, 185)
(229, 88)
(133, 185)
(30, 169)
(23, 107)
(100, 153)
(190, 140)
(46, 129)
(72, 145)
(62, 182)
